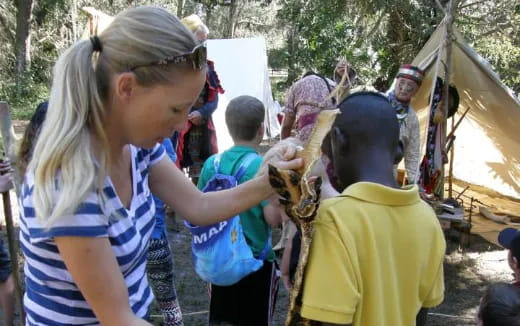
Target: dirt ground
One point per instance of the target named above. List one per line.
(467, 273)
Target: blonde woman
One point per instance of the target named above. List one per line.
(87, 209)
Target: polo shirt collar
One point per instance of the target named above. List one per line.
(383, 195)
(242, 149)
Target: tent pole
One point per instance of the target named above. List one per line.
(452, 155)
(448, 39)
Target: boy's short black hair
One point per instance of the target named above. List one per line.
(244, 116)
(370, 118)
(500, 305)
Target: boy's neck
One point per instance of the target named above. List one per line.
(371, 169)
(383, 178)
(250, 143)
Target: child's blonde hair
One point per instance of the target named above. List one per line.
(65, 165)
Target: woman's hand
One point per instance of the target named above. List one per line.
(282, 155)
(196, 118)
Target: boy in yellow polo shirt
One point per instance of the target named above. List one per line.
(377, 251)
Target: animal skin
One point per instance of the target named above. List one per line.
(300, 196)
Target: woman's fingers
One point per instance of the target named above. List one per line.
(289, 165)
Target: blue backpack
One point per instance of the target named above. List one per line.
(220, 252)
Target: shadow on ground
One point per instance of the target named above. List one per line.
(467, 274)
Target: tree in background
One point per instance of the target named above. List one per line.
(376, 36)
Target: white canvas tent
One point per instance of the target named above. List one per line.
(241, 65)
(487, 145)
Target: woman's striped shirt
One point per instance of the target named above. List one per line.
(52, 297)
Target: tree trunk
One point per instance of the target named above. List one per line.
(232, 19)
(209, 15)
(180, 7)
(292, 49)
(74, 20)
(291, 46)
(395, 37)
(23, 39)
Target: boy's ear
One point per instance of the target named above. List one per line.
(326, 146)
(338, 139)
(261, 130)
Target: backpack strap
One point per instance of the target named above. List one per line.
(216, 163)
(242, 169)
(267, 246)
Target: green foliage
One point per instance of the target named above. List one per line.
(375, 36)
(24, 103)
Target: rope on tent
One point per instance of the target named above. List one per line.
(450, 316)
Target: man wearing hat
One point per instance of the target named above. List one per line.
(408, 81)
(509, 238)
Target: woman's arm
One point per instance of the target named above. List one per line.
(94, 268)
(272, 212)
(172, 187)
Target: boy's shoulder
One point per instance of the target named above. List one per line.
(371, 194)
(227, 158)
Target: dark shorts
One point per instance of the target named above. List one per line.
(5, 262)
(250, 302)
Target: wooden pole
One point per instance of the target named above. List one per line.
(452, 156)
(9, 139)
(458, 123)
(7, 132)
(13, 252)
(448, 39)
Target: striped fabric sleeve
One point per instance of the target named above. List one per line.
(156, 154)
(89, 220)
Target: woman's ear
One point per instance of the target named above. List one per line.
(125, 85)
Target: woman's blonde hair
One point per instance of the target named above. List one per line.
(71, 154)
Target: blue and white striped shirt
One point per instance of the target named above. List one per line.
(52, 297)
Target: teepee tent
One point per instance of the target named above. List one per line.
(242, 68)
(487, 144)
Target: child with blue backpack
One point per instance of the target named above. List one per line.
(251, 300)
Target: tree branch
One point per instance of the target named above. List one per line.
(250, 22)
(472, 4)
(441, 7)
(5, 25)
(499, 29)
(376, 25)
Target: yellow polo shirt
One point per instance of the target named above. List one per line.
(376, 258)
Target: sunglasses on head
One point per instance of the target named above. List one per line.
(197, 57)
